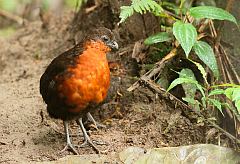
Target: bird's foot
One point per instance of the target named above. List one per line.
(89, 142)
(70, 147)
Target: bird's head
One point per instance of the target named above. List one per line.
(106, 36)
(109, 42)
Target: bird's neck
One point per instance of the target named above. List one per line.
(95, 52)
(97, 45)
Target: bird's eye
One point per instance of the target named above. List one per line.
(105, 38)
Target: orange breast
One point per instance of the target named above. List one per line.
(90, 78)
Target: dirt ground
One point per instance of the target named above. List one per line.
(27, 133)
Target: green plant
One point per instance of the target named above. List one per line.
(209, 95)
(232, 92)
(140, 6)
(185, 32)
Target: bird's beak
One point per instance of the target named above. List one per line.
(113, 45)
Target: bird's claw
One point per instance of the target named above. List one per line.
(84, 144)
(87, 142)
(69, 147)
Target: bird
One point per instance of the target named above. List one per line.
(77, 82)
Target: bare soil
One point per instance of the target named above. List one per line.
(140, 118)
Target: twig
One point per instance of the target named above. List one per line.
(203, 25)
(11, 16)
(213, 30)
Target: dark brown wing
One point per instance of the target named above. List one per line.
(57, 67)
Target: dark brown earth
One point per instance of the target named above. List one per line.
(141, 118)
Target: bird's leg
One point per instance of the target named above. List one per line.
(87, 139)
(69, 144)
(96, 124)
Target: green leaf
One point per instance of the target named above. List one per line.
(186, 35)
(212, 13)
(139, 6)
(204, 99)
(228, 92)
(217, 104)
(190, 100)
(163, 82)
(237, 104)
(216, 92)
(138, 9)
(189, 89)
(195, 104)
(201, 69)
(171, 6)
(206, 54)
(185, 80)
(126, 11)
(236, 94)
(157, 38)
(187, 73)
(235, 112)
